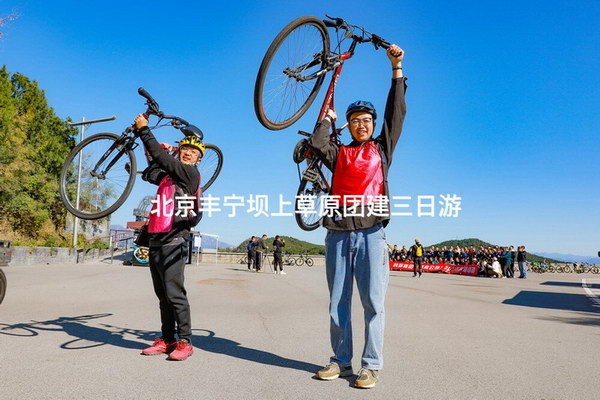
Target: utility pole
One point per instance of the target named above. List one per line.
(83, 125)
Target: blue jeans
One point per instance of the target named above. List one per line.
(362, 255)
(523, 269)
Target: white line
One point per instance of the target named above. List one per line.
(589, 293)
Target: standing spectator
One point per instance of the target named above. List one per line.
(513, 258)
(251, 253)
(396, 253)
(260, 249)
(502, 258)
(278, 244)
(522, 260)
(509, 263)
(417, 252)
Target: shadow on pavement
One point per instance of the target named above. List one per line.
(214, 344)
(571, 284)
(86, 336)
(555, 301)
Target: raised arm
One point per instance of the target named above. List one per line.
(395, 108)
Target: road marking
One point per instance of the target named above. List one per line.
(588, 291)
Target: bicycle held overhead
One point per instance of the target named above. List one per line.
(99, 173)
(289, 78)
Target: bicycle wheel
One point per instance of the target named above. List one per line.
(2, 285)
(287, 81)
(102, 174)
(311, 192)
(299, 261)
(210, 165)
(309, 262)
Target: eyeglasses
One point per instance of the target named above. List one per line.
(363, 121)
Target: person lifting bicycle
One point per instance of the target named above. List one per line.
(169, 231)
(356, 246)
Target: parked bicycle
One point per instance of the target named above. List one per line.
(289, 78)
(287, 259)
(100, 171)
(3, 284)
(304, 259)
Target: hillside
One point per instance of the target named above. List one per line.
(477, 243)
(292, 245)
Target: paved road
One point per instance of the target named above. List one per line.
(75, 332)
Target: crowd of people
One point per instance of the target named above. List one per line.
(492, 260)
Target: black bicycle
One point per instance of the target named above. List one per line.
(2, 285)
(289, 78)
(100, 171)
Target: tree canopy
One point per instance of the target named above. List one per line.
(34, 144)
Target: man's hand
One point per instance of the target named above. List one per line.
(140, 121)
(395, 54)
(332, 115)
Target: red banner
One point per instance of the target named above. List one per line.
(446, 268)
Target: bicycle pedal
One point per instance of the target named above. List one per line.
(310, 175)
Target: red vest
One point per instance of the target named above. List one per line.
(358, 172)
(163, 210)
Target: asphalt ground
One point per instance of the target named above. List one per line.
(76, 331)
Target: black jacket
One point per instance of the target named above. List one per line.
(186, 178)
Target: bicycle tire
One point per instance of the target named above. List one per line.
(288, 88)
(3, 285)
(309, 262)
(317, 189)
(299, 261)
(210, 165)
(123, 174)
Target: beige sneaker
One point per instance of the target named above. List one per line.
(332, 371)
(367, 378)
(283, 273)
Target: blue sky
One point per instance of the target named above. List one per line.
(503, 102)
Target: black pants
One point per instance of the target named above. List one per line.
(278, 260)
(258, 260)
(251, 257)
(511, 270)
(167, 264)
(504, 269)
(417, 267)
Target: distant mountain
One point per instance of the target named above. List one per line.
(477, 243)
(292, 245)
(572, 258)
(209, 242)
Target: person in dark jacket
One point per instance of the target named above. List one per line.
(278, 244)
(169, 231)
(356, 245)
(251, 253)
(260, 249)
(522, 261)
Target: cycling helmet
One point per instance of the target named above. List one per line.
(361, 105)
(193, 141)
(191, 130)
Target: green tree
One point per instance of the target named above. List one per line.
(34, 143)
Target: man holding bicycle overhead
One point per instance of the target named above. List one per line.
(169, 230)
(355, 245)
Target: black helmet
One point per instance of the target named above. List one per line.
(191, 130)
(361, 105)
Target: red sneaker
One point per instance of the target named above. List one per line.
(182, 351)
(159, 347)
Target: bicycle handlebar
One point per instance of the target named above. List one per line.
(153, 109)
(339, 23)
